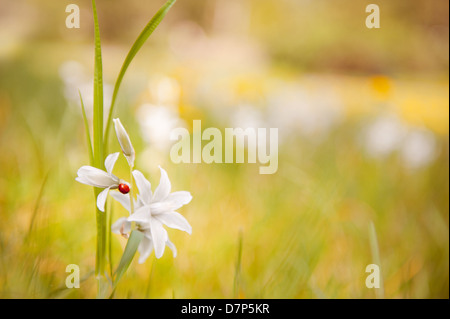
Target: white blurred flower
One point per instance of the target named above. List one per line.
(72, 73)
(384, 136)
(165, 91)
(75, 79)
(125, 142)
(156, 123)
(98, 178)
(247, 116)
(419, 148)
(152, 211)
(295, 110)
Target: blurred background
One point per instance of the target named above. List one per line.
(363, 119)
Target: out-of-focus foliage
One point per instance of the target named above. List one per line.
(363, 122)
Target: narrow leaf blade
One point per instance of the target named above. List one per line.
(88, 134)
(143, 36)
(98, 95)
(100, 263)
(376, 257)
(128, 254)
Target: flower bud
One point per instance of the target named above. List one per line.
(124, 141)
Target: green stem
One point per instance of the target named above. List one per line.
(131, 191)
(100, 263)
(111, 211)
(101, 243)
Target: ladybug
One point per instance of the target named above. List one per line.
(124, 188)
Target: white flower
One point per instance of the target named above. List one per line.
(76, 80)
(156, 123)
(124, 141)
(313, 114)
(153, 210)
(419, 148)
(384, 135)
(98, 178)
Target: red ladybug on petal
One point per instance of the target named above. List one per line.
(124, 188)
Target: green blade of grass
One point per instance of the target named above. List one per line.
(88, 134)
(98, 153)
(237, 271)
(128, 254)
(376, 257)
(98, 95)
(147, 290)
(110, 217)
(62, 290)
(36, 207)
(143, 36)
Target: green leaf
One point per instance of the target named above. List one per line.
(128, 254)
(98, 95)
(376, 257)
(88, 134)
(103, 287)
(36, 208)
(100, 262)
(146, 32)
(237, 272)
(109, 239)
(63, 290)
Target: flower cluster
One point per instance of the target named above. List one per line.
(149, 211)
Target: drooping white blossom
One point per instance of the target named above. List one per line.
(98, 178)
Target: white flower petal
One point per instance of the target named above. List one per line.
(164, 187)
(178, 199)
(139, 202)
(121, 226)
(145, 248)
(172, 247)
(174, 220)
(159, 237)
(96, 177)
(171, 203)
(83, 180)
(142, 215)
(144, 186)
(123, 199)
(110, 161)
(86, 170)
(101, 199)
(160, 208)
